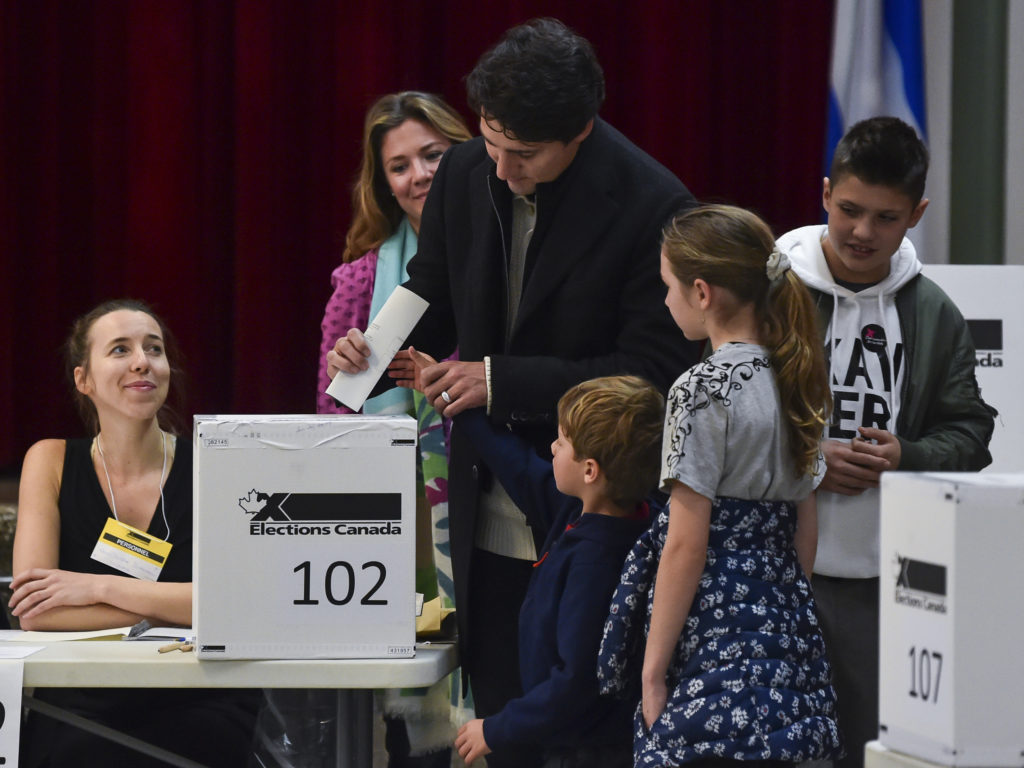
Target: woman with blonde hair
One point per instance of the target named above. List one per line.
(404, 136)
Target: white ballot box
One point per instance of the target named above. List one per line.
(989, 297)
(304, 537)
(951, 682)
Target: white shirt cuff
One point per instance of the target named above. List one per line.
(487, 379)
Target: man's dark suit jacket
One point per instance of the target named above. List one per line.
(592, 301)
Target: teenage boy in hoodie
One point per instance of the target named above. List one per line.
(591, 498)
(901, 365)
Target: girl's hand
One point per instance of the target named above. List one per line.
(655, 696)
(682, 562)
(37, 590)
(470, 742)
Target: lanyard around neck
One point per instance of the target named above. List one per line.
(163, 475)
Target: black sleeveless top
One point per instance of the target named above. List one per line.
(84, 511)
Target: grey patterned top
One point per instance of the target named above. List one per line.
(723, 434)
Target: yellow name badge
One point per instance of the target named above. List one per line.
(131, 551)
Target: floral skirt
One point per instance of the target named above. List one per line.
(749, 679)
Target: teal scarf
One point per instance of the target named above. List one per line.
(392, 259)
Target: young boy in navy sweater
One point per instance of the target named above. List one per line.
(591, 499)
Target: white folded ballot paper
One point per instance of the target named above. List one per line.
(386, 335)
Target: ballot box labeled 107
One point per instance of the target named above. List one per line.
(951, 683)
(304, 537)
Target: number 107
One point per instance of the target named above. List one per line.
(923, 664)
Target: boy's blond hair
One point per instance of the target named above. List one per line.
(617, 422)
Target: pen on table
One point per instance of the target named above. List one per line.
(181, 645)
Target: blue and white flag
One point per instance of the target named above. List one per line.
(877, 66)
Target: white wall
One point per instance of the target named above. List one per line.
(932, 235)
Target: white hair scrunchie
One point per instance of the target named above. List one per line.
(778, 264)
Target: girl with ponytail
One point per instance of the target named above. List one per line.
(734, 668)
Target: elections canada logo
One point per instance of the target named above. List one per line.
(920, 584)
(988, 342)
(322, 514)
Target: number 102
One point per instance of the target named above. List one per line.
(344, 594)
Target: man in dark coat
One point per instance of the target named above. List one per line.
(539, 254)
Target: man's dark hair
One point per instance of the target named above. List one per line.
(885, 151)
(541, 82)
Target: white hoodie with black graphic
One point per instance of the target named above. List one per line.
(864, 355)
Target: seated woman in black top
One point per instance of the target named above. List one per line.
(122, 364)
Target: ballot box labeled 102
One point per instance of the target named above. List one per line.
(951, 683)
(304, 537)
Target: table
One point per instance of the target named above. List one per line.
(120, 664)
(876, 755)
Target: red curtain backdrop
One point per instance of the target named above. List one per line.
(199, 155)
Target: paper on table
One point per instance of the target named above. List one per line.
(18, 651)
(386, 335)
